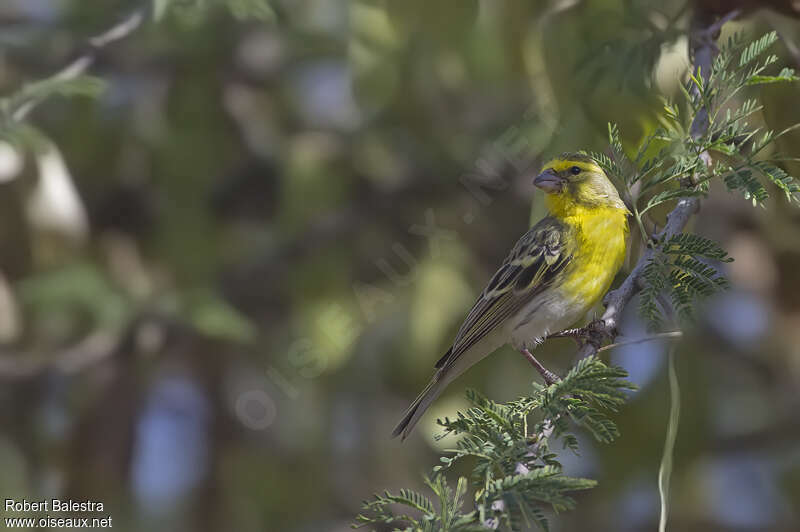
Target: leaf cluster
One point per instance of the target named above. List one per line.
(709, 137)
(515, 475)
(193, 11)
(681, 271)
(14, 106)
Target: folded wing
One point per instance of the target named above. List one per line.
(534, 264)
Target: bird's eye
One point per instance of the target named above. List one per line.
(575, 170)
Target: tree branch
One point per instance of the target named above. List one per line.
(703, 50)
(95, 44)
(660, 336)
(89, 351)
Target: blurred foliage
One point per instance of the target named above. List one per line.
(193, 11)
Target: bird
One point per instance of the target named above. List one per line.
(553, 276)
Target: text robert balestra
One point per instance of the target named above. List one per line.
(52, 505)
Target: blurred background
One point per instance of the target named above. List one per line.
(223, 280)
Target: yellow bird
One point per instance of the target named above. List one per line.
(553, 276)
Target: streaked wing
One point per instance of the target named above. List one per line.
(533, 265)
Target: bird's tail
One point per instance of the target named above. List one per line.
(419, 406)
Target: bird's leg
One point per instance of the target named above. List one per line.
(548, 376)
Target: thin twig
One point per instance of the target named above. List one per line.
(93, 349)
(81, 64)
(659, 336)
(89, 351)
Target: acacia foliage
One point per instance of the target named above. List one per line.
(516, 476)
(678, 161)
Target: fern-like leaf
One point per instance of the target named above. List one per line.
(757, 48)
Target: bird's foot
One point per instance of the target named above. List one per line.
(595, 333)
(576, 334)
(548, 376)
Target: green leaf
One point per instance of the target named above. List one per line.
(787, 74)
(695, 245)
(669, 195)
(75, 290)
(743, 181)
(195, 11)
(160, 8)
(215, 317)
(757, 47)
(252, 9)
(786, 183)
(654, 277)
(38, 91)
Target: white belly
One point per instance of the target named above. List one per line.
(545, 314)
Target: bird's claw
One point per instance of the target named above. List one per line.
(595, 333)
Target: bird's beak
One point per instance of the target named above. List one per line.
(549, 181)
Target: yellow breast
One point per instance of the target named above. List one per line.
(601, 234)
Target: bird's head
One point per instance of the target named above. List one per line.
(575, 179)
